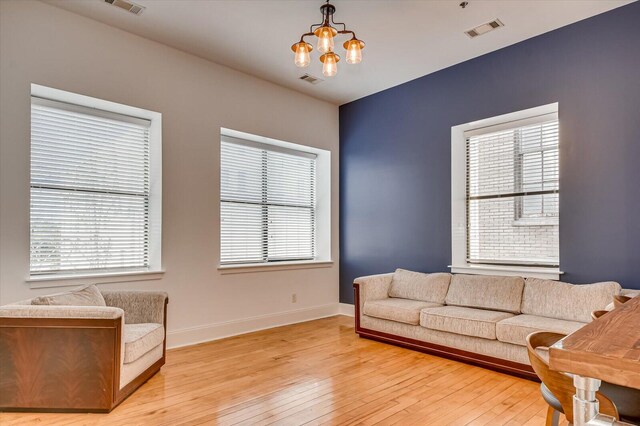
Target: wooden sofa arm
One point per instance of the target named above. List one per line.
(52, 362)
(138, 306)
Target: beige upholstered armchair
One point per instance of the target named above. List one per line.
(80, 353)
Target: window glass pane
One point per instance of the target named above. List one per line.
(494, 236)
(75, 150)
(290, 179)
(241, 173)
(89, 191)
(76, 231)
(290, 235)
(532, 171)
(268, 204)
(490, 164)
(506, 224)
(532, 206)
(241, 232)
(551, 205)
(551, 169)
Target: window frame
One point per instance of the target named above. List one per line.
(519, 212)
(459, 262)
(154, 269)
(264, 203)
(322, 211)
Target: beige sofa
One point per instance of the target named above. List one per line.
(479, 319)
(85, 350)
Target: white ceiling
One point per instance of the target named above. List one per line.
(405, 39)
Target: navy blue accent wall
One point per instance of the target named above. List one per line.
(395, 153)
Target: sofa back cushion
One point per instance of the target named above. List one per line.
(486, 292)
(88, 295)
(418, 286)
(555, 299)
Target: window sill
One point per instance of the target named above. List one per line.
(268, 267)
(522, 271)
(535, 222)
(49, 281)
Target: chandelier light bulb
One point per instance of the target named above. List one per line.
(325, 38)
(354, 51)
(302, 58)
(329, 64)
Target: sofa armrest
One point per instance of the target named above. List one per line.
(60, 312)
(629, 293)
(372, 287)
(59, 358)
(138, 306)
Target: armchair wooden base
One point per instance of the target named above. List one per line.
(64, 365)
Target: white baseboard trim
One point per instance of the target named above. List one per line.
(346, 309)
(206, 333)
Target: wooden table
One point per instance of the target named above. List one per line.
(606, 349)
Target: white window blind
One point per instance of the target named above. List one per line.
(513, 193)
(89, 190)
(267, 203)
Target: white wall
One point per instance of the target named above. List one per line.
(42, 44)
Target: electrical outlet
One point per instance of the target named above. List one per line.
(294, 298)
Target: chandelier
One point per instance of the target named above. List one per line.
(326, 32)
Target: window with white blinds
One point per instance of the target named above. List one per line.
(90, 190)
(513, 193)
(267, 203)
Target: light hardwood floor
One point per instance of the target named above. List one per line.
(318, 372)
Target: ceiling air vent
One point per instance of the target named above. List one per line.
(136, 9)
(311, 79)
(484, 28)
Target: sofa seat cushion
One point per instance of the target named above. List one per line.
(418, 286)
(516, 329)
(461, 320)
(140, 339)
(486, 292)
(571, 302)
(394, 309)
